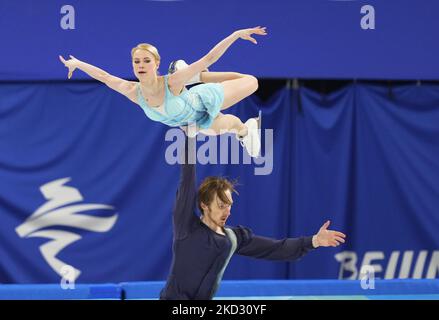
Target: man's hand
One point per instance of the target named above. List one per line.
(327, 238)
(246, 33)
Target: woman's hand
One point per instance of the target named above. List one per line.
(246, 33)
(71, 64)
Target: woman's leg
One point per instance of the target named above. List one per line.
(226, 123)
(247, 133)
(216, 77)
(237, 86)
(238, 89)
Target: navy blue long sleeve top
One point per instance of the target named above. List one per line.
(200, 254)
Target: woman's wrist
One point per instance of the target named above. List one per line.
(80, 64)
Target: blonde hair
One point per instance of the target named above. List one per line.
(148, 47)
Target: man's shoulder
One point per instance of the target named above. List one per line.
(240, 231)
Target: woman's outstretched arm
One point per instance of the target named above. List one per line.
(120, 85)
(180, 77)
(245, 34)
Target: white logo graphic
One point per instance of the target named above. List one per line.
(55, 213)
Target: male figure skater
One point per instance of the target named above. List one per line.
(203, 246)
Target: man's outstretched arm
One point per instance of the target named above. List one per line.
(286, 249)
(185, 202)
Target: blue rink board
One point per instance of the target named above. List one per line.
(412, 289)
(407, 289)
(55, 292)
(372, 297)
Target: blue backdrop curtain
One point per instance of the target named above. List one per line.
(360, 157)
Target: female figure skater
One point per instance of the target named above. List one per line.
(163, 99)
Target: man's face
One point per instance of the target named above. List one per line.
(218, 211)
